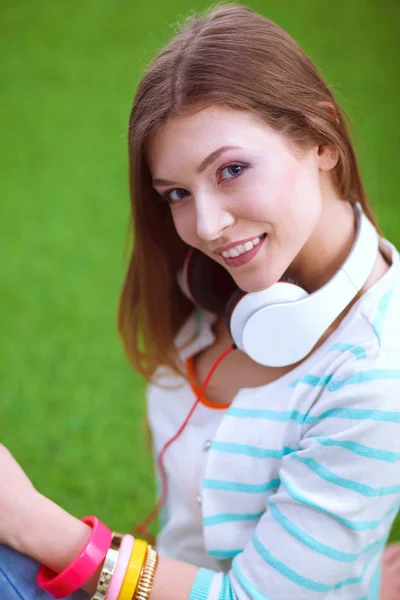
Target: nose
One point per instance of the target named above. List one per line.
(211, 218)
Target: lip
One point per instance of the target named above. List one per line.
(246, 257)
(233, 244)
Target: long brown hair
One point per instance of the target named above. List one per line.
(232, 56)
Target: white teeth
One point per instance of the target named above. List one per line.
(233, 252)
(241, 248)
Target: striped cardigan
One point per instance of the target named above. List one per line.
(302, 480)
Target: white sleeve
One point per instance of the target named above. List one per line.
(325, 527)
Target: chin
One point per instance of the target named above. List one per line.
(253, 284)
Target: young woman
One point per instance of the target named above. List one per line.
(255, 249)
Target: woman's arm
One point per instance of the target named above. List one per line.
(33, 524)
(54, 538)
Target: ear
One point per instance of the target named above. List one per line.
(328, 157)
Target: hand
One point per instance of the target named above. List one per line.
(17, 497)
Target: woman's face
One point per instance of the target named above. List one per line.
(230, 179)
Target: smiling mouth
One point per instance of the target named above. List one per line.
(243, 248)
(244, 257)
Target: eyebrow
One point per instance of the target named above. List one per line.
(203, 166)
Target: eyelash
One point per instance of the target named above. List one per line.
(166, 195)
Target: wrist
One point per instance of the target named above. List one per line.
(51, 535)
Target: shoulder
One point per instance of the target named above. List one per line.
(368, 338)
(355, 377)
(380, 304)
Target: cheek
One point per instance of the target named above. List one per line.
(297, 192)
(185, 225)
(288, 199)
(252, 201)
(265, 201)
(273, 191)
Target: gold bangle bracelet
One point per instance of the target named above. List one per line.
(147, 576)
(108, 568)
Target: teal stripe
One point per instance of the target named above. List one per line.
(230, 518)
(201, 587)
(358, 351)
(363, 377)
(313, 380)
(225, 591)
(306, 539)
(349, 484)
(359, 414)
(353, 525)
(381, 313)
(237, 486)
(302, 581)
(224, 553)
(248, 450)
(376, 583)
(360, 449)
(248, 587)
(286, 571)
(270, 415)
(356, 378)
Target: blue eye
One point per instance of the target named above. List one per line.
(232, 170)
(180, 193)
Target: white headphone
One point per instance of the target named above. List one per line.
(280, 325)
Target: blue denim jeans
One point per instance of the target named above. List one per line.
(18, 578)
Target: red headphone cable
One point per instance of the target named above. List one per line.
(141, 528)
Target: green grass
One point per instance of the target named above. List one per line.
(71, 408)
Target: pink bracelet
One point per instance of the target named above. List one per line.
(84, 565)
(125, 551)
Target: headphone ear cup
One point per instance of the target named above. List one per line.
(208, 283)
(238, 294)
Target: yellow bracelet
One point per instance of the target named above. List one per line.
(134, 570)
(147, 577)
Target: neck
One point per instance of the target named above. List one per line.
(327, 248)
